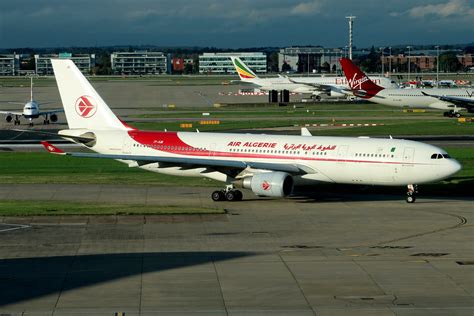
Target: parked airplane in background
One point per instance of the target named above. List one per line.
(31, 111)
(317, 86)
(269, 165)
(451, 100)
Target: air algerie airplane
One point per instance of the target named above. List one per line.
(450, 100)
(317, 86)
(269, 165)
(31, 110)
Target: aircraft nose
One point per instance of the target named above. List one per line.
(455, 166)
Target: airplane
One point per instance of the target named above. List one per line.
(268, 165)
(31, 111)
(317, 86)
(451, 100)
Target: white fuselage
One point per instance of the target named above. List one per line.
(415, 99)
(31, 110)
(328, 159)
(303, 84)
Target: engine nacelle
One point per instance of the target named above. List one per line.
(337, 94)
(274, 184)
(53, 117)
(8, 118)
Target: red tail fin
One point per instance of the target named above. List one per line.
(358, 81)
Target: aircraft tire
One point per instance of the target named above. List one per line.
(231, 196)
(411, 198)
(238, 195)
(218, 196)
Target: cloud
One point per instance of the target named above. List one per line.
(306, 8)
(451, 8)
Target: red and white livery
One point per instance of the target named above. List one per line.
(450, 100)
(269, 165)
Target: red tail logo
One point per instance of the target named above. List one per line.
(358, 81)
(85, 106)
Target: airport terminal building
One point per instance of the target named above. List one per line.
(220, 63)
(85, 62)
(309, 59)
(139, 63)
(9, 64)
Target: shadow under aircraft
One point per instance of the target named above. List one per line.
(24, 279)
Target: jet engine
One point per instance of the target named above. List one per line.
(53, 117)
(274, 184)
(9, 118)
(337, 94)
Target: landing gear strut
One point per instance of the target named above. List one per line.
(229, 193)
(452, 113)
(412, 191)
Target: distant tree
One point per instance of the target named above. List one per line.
(285, 67)
(371, 62)
(334, 68)
(325, 67)
(272, 62)
(469, 50)
(103, 65)
(448, 62)
(196, 64)
(188, 68)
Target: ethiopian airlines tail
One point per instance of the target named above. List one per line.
(245, 73)
(83, 106)
(358, 81)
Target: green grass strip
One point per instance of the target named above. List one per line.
(33, 208)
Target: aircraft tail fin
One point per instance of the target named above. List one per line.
(83, 106)
(245, 73)
(358, 81)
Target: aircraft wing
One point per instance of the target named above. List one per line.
(458, 101)
(316, 86)
(189, 161)
(51, 112)
(11, 112)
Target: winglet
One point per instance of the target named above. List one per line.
(305, 132)
(52, 149)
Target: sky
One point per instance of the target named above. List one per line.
(233, 23)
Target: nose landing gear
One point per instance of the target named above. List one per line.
(412, 191)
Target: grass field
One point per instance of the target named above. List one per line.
(30, 208)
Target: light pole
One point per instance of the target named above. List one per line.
(390, 61)
(437, 66)
(409, 55)
(381, 56)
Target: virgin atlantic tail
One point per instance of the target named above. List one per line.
(358, 81)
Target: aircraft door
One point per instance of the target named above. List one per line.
(342, 152)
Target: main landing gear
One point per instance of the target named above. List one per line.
(452, 113)
(412, 191)
(228, 194)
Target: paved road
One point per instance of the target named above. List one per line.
(339, 255)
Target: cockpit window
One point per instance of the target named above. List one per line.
(440, 156)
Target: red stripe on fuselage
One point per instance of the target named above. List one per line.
(174, 145)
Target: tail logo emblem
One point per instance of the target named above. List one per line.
(85, 106)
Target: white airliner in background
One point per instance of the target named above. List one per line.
(317, 86)
(31, 111)
(450, 100)
(269, 165)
